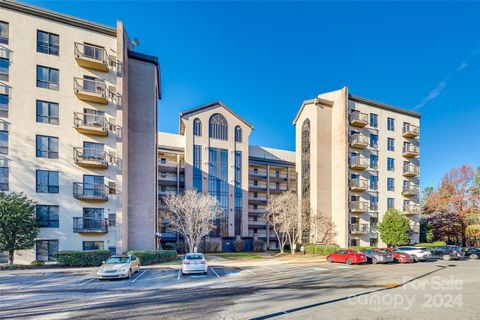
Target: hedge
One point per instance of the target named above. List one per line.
(90, 258)
(320, 249)
(154, 256)
(431, 245)
(360, 248)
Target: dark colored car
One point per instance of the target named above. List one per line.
(346, 256)
(378, 256)
(472, 253)
(447, 253)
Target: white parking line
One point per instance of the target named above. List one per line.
(179, 274)
(214, 272)
(83, 283)
(252, 273)
(141, 274)
(271, 269)
(34, 283)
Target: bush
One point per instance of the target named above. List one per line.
(431, 245)
(360, 248)
(154, 256)
(91, 258)
(258, 245)
(320, 248)
(239, 245)
(37, 263)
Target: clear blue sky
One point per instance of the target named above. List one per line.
(264, 58)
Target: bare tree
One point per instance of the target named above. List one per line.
(192, 215)
(324, 228)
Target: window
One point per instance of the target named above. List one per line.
(374, 202)
(47, 216)
(238, 134)
(390, 164)
(197, 127)
(93, 151)
(277, 185)
(277, 174)
(92, 245)
(112, 219)
(45, 249)
(163, 175)
(4, 105)
(373, 140)
(390, 203)
(4, 179)
(47, 78)
(373, 161)
(255, 195)
(390, 144)
(373, 222)
(163, 188)
(3, 32)
(374, 182)
(94, 52)
(197, 168)
(354, 242)
(255, 231)
(255, 182)
(238, 193)
(218, 128)
(390, 124)
(47, 147)
(390, 184)
(373, 242)
(94, 186)
(3, 142)
(255, 207)
(47, 43)
(373, 120)
(47, 181)
(255, 170)
(47, 112)
(4, 68)
(163, 161)
(255, 219)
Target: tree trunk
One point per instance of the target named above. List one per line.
(10, 257)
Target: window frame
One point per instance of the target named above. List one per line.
(51, 188)
(390, 164)
(51, 119)
(4, 111)
(4, 186)
(373, 120)
(390, 147)
(390, 184)
(5, 75)
(4, 38)
(50, 222)
(4, 148)
(390, 124)
(50, 49)
(50, 154)
(48, 84)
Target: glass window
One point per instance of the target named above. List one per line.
(47, 216)
(47, 43)
(4, 68)
(373, 182)
(373, 140)
(373, 202)
(47, 147)
(373, 242)
(3, 32)
(238, 134)
(373, 161)
(373, 120)
(4, 171)
(45, 249)
(197, 127)
(93, 51)
(112, 219)
(4, 105)
(390, 184)
(197, 167)
(47, 78)
(93, 186)
(390, 203)
(93, 245)
(238, 192)
(93, 151)
(390, 124)
(3, 142)
(390, 144)
(47, 181)
(163, 161)
(47, 112)
(218, 127)
(390, 164)
(163, 174)
(218, 185)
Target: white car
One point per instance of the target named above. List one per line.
(194, 263)
(118, 267)
(417, 253)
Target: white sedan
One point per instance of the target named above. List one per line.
(194, 263)
(119, 267)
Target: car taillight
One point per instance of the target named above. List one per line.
(203, 262)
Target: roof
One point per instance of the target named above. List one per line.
(148, 59)
(58, 17)
(317, 101)
(271, 155)
(212, 105)
(171, 141)
(383, 106)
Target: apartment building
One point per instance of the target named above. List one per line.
(78, 110)
(212, 154)
(356, 158)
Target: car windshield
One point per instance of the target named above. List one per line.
(397, 251)
(382, 251)
(194, 257)
(115, 260)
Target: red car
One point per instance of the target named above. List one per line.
(399, 256)
(347, 256)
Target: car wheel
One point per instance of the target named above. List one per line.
(129, 274)
(447, 257)
(374, 260)
(329, 259)
(348, 261)
(473, 256)
(414, 258)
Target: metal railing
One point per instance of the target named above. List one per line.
(358, 138)
(410, 188)
(97, 87)
(81, 224)
(358, 116)
(410, 148)
(358, 161)
(83, 50)
(359, 206)
(359, 228)
(411, 208)
(359, 184)
(90, 154)
(411, 129)
(93, 121)
(90, 191)
(410, 169)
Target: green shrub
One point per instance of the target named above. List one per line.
(360, 248)
(154, 256)
(258, 245)
(431, 245)
(90, 258)
(320, 248)
(37, 263)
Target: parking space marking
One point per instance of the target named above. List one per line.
(83, 283)
(267, 267)
(319, 269)
(179, 274)
(138, 277)
(214, 272)
(252, 273)
(36, 282)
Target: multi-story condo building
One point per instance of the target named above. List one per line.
(356, 158)
(212, 154)
(78, 110)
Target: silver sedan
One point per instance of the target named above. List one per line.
(119, 267)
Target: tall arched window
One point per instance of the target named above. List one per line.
(197, 127)
(238, 134)
(305, 169)
(218, 127)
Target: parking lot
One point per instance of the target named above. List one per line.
(262, 289)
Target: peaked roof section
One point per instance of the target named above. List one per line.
(317, 101)
(213, 105)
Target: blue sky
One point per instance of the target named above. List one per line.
(263, 59)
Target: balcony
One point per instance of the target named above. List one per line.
(93, 124)
(257, 175)
(90, 158)
(410, 189)
(358, 206)
(91, 90)
(358, 185)
(410, 131)
(358, 141)
(167, 168)
(257, 188)
(91, 57)
(359, 228)
(358, 163)
(410, 151)
(410, 170)
(358, 119)
(257, 200)
(256, 212)
(411, 209)
(274, 190)
(90, 192)
(278, 177)
(90, 225)
(168, 236)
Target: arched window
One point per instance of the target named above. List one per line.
(218, 127)
(305, 170)
(197, 127)
(238, 134)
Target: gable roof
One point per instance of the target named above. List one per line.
(316, 101)
(213, 105)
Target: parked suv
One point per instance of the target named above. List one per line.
(472, 253)
(447, 253)
(417, 253)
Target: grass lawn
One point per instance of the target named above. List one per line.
(237, 255)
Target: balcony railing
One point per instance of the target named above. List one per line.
(410, 189)
(358, 163)
(358, 185)
(92, 57)
(411, 131)
(90, 225)
(257, 174)
(89, 191)
(358, 140)
(91, 90)
(92, 158)
(410, 151)
(358, 119)
(359, 228)
(278, 190)
(411, 209)
(278, 177)
(359, 206)
(91, 124)
(410, 170)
